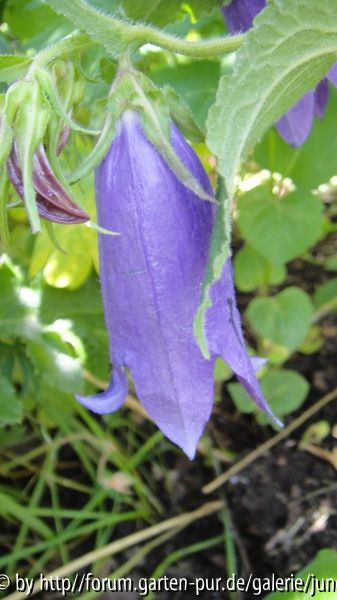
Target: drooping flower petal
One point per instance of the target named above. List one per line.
(296, 124)
(53, 202)
(225, 338)
(321, 98)
(151, 278)
(112, 398)
(332, 75)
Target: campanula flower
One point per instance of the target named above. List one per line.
(151, 282)
(295, 126)
(53, 202)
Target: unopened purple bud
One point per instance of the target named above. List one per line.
(151, 278)
(53, 202)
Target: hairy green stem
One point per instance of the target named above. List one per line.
(196, 49)
(117, 36)
(74, 42)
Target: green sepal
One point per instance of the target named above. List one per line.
(63, 76)
(6, 140)
(48, 87)
(182, 115)
(99, 229)
(50, 231)
(14, 99)
(119, 99)
(156, 120)
(4, 230)
(218, 254)
(29, 129)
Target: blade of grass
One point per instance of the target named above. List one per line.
(66, 536)
(24, 529)
(136, 559)
(172, 558)
(117, 546)
(22, 514)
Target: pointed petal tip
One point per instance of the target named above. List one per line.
(275, 419)
(189, 446)
(258, 362)
(190, 452)
(176, 422)
(111, 399)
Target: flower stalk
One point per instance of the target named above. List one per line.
(120, 36)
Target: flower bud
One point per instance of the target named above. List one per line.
(53, 202)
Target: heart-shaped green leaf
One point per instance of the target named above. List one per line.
(253, 270)
(10, 404)
(284, 319)
(279, 228)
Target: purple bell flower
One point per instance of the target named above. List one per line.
(295, 126)
(151, 281)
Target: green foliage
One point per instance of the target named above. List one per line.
(253, 97)
(221, 371)
(252, 270)
(309, 165)
(326, 295)
(71, 267)
(324, 568)
(160, 12)
(50, 360)
(284, 390)
(331, 263)
(195, 82)
(163, 12)
(103, 29)
(30, 351)
(283, 319)
(10, 406)
(17, 304)
(12, 67)
(84, 308)
(279, 228)
(33, 22)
